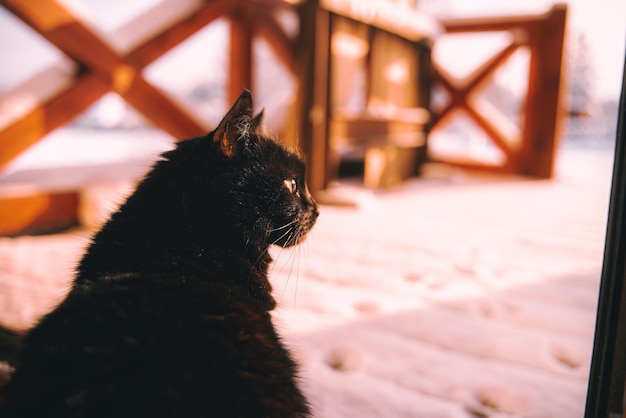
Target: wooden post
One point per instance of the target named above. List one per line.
(240, 64)
(426, 81)
(312, 103)
(543, 101)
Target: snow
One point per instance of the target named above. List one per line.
(454, 295)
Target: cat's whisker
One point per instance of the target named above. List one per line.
(295, 291)
(283, 236)
(260, 256)
(286, 233)
(290, 233)
(292, 258)
(275, 263)
(284, 226)
(288, 277)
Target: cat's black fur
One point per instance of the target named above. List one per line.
(169, 315)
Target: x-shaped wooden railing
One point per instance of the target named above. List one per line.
(531, 149)
(101, 69)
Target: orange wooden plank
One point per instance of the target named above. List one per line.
(38, 213)
(311, 124)
(163, 42)
(240, 61)
(60, 27)
(486, 70)
(488, 24)
(319, 153)
(543, 110)
(492, 130)
(21, 134)
(477, 165)
(161, 111)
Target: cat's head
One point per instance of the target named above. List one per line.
(256, 182)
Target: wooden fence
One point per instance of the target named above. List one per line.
(530, 150)
(101, 69)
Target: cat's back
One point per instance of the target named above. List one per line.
(169, 313)
(145, 346)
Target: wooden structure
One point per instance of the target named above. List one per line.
(101, 69)
(389, 127)
(390, 49)
(531, 150)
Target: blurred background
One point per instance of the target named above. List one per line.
(462, 151)
(432, 84)
(401, 84)
(373, 88)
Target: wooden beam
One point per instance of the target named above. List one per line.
(278, 40)
(173, 36)
(59, 27)
(486, 70)
(497, 23)
(543, 110)
(312, 121)
(161, 111)
(38, 213)
(492, 130)
(319, 148)
(240, 62)
(21, 134)
(460, 90)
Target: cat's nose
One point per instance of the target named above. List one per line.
(316, 211)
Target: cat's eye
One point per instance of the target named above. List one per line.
(291, 185)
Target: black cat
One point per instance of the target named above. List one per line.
(168, 315)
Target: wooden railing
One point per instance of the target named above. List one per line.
(530, 150)
(102, 69)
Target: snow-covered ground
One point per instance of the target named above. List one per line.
(455, 295)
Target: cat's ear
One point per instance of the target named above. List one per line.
(257, 121)
(234, 130)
